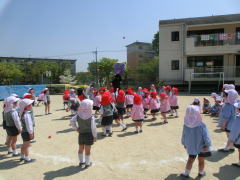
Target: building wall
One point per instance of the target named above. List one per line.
(168, 51)
(228, 28)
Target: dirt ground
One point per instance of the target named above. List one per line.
(156, 153)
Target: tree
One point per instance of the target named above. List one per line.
(105, 69)
(67, 78)
(155, 43)
(9, 72)
(85, 78)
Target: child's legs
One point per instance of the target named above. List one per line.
(81, 149)
(13, 143)
(190, 162)
(26, 145)
(46, 108)
(87, 150)
(9, 141)
(201, 164)
(164, 115)
(153, 115)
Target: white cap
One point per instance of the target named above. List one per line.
(45, 89)
(12, 99)
(24, 103)
(72, 90)
(225, 86)
(14, 95)
(218, 98)
(237, 105)
(214, 94)
(196, 100)
(231, 86)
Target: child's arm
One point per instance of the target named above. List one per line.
(206, 137)
(28, 122)
(94, 128)
(183, 137)
(17, 121)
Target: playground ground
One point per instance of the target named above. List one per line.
(156, 153)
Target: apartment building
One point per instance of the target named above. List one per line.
(139, 52)
(200, 49)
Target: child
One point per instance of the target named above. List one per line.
(234, 137)
(154, 104)
(81, 94)
(216, 108)
(113, 95)
(12, 124)
(28, 124)
(145, 102)
(72, 93)
(120, 105)
(47, 101)
(74, 105)
(173, 101)
(137, 113)
(167, 90)
(228, 115)
(40, 98)
(195, 139)
(164, 107)
(96, 102)
(140, 91)
(129, 101)
(31, 91)
(206, 106)
(66, 100)
(84, 123)
(107, 114)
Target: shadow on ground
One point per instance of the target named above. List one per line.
(227, 172)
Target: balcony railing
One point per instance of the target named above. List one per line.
(216, 39)
(212, 73)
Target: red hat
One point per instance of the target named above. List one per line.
(106, 99)
(66, 91)
(27, 96)
(137, 99)
(163, 95)
(121, 96)
(168, 88)
(66, 96)
(175, 91)
(130, 91)
(154, 94)
(95, 93)
(111, 90)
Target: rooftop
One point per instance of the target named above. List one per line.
(139, 43)
(203, 20)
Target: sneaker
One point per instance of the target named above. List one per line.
(176, 116)
(110, 134)
(29, 161)
(202, 174)
(236, 164)
(104, 135)
(21, 159)
(9, 152)
(124, 129)
(136, 132)
(88, 165)
(141, 131)
(165, 122)
(81, 164)
(184, 175)
(145, 116)
(171, 115)
(15, 155)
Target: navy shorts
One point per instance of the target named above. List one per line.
(12, 131)
(85, 139)
(25, 136)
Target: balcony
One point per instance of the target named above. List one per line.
(214, 73)
(213, 44)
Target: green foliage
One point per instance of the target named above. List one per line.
(84, 78)
(155, 43)
(9, 73)
(105, 68)
(67, 77)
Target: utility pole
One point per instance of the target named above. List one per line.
(96, 58)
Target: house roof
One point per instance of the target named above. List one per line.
(203, 20)
(139, 43)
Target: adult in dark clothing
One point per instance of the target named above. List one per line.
(116, 83)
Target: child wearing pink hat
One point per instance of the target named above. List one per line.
(173, 101)
(154, 104)
(137, 113)
(195, 139)
(145, 102)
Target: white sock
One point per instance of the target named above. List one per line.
(104, 130)
(136, 128)
(81, 158)
(176, 113)
(171, 112)
(201, 172)
(87, 160)
(122, 124)
(187, 172)
(110, 129)
(22, 156)
(10, 150)
(14, 151)
(27, 158)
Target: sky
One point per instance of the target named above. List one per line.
(73, 29)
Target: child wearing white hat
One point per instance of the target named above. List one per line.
(13, 124)
(28, 124)
(234, 137)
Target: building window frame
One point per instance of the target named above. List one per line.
(175, 36)
(175, 65)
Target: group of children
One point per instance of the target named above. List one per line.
(195, 136)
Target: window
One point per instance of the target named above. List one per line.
(175, 36)
(175, 64)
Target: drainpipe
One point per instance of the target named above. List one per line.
(183, 30)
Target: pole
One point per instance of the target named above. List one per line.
(97, 82)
